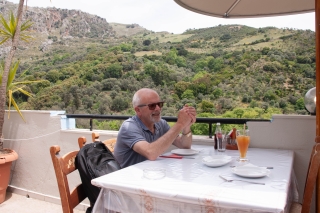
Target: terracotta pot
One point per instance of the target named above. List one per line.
(5, 165)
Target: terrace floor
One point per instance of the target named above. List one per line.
(21, 204)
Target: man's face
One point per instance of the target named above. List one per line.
(149, 110)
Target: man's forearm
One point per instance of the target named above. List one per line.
(186, 140)
(159, 146)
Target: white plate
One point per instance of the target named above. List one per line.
(216, 160)
(184, 151)
(251, 172)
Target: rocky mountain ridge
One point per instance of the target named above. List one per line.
(62, 22)
(64, 27)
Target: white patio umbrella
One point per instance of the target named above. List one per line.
(265, 8)
(248, 8)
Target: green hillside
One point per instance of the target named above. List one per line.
(224, 71)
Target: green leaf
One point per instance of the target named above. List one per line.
(9, 27)
(12, 73)
(13, 87)
(18, 110)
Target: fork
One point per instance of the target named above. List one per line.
(230, 180)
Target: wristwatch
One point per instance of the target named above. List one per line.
(187, 134)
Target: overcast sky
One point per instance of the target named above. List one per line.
(166, 15)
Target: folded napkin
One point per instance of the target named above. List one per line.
(171, 156)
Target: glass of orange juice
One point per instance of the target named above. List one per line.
(243, 140)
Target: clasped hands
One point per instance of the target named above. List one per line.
(187, 115)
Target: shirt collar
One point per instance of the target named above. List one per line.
(156, 125)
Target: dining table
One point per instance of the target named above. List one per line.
(183, 182)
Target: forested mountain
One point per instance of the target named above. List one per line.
(90, 66)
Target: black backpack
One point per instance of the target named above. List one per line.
(94, 160)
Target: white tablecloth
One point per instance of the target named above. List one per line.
(190, 186)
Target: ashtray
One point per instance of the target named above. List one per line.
(154, 173)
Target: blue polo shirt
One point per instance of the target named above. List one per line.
(132, 131)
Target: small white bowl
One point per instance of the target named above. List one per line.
(216, 160)
(154, 173)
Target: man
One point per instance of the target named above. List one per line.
(146, 135)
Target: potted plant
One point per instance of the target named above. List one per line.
(8, 155)
(9, 32)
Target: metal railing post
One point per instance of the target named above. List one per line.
(210, 130)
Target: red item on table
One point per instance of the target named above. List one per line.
(171, 156)
(234, 132)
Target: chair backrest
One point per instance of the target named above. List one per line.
(314, 166)
(95, 136)
(110, 143)
(63, 166)
(82, 141)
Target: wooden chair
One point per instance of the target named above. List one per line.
(312, 174)
(63, 166)
(110, 143)
(82, 141)
(95, 136)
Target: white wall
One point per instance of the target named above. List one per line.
(33, 172)
(294, 132)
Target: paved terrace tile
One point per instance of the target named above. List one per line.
(15, 203)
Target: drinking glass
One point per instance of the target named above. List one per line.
(222, 142)
(243, 140)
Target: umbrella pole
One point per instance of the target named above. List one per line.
(317, 139)
(317, 28)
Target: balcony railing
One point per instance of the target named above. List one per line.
(209, 121)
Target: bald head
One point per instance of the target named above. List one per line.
(142, 96)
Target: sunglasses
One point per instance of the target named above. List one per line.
(153, 105)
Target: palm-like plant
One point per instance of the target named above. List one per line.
(14, 35)
(9, 28)
(13, 87)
